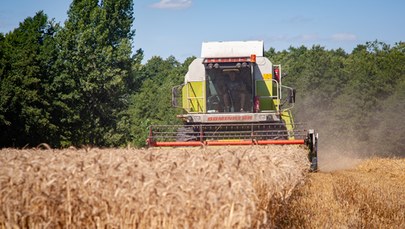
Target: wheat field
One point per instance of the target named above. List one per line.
(216, 187)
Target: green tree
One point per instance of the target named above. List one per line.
(94, 67)
(375, 70)
(26, 59)
(3, 65)
(348, 98)
(318, 76)
(152, 104)
(388, 132)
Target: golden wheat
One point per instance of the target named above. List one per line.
(217, 187)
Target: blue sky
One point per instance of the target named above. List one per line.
(178, 27)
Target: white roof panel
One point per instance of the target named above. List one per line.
(231, 49)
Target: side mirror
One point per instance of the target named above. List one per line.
(177, 96)
(291, 96)
(174, 97)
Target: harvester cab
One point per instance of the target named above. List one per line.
(233, 95)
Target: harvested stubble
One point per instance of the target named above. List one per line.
(371, 195)
(157, 188)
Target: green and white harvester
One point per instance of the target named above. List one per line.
(233, 95)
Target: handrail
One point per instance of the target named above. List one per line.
(272, 96)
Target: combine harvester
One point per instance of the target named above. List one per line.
(233, 95)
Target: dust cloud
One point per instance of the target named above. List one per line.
(343, 146)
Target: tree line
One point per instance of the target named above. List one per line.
(355, 100)
(81, 84)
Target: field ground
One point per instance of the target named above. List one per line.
(370, 195)
(223, 187)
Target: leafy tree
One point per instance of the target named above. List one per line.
(3, 64)
(152, 105)
(318, 76)
(94, 67)
(375, 70)
(26, 59)
(135, 81)
(349, 98)
(387, 134)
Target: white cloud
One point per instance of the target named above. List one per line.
(172, 4)
(307, 37)
(299, 19)
(275, 38)
(343, 37)
(314, 37)
(287, 38)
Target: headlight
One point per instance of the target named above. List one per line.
(270, 118)
(189, 119)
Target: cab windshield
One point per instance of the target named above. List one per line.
(229, 89)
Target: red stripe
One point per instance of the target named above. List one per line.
(226, 60)
(223, 143)
(281, 142)
(168, 144)
(228, 143)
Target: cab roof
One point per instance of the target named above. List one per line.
(232, 49)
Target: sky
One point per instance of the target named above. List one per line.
(178, 27)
